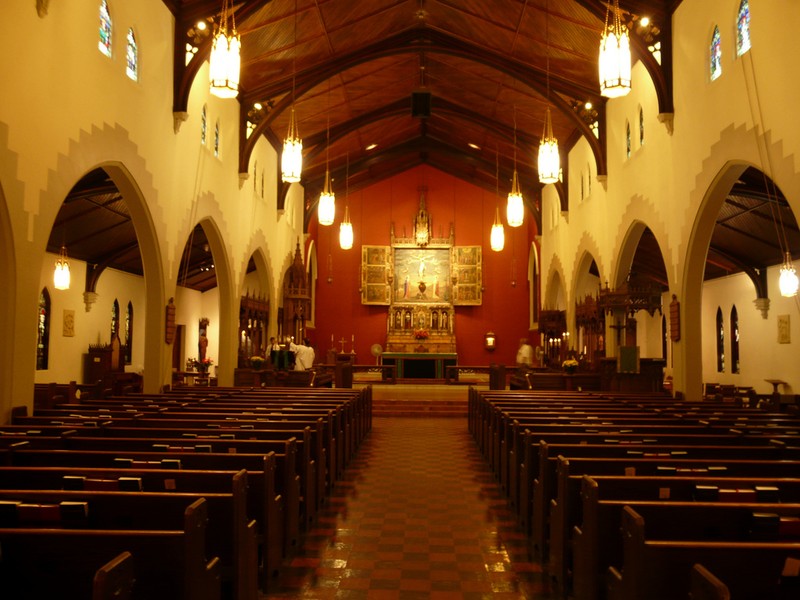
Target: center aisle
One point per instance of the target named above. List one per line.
(417, 515)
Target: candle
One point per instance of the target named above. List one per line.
(331, 339)
(353, 338)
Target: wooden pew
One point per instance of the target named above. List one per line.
(169, 564)
(230, 535)
(264, 504)
(596, 540)
(705, 586)
(660, 569)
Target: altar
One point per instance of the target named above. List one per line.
(420, 365)
(422, 280)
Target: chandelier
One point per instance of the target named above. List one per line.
(787, 281)
(615, 56)
(292, 157)
(515, 209)
(61, 277)
(225, 61)
(549, 160)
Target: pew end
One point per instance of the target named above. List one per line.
(705, 586)
(115, 579)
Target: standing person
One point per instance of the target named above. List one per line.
(303, 355)
(524, 354)
(272, 351)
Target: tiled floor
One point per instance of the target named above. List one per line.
(417, 515)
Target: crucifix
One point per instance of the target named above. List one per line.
(342, 342)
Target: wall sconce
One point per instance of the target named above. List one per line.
(490, 341)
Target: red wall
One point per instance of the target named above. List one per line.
(471, 210)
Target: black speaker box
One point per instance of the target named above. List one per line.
(421, 104)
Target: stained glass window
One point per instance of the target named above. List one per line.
(216, 139)
(641, 127)
(132, 57)
(105, 29)
(115, 319)
(129, 334)
(716, 54)
(743, 28)
(720, 337)
(43, 331)
(204, 126)
(734, 340)
(628, 140)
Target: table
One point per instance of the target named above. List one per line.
(420, 365)
(775, 383)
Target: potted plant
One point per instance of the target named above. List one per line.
(257, 362)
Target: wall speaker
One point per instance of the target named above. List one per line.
(421, 104)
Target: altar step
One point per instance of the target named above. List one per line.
(418, 408)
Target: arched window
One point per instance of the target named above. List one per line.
(715, 62)
(204, 125)
(664, 337)
(115, 319)
(129, 333)
(262, 183)
(583, 189)
(641, 127)
(255, 178)
(734, 340)
(43, 331)
(216, 139)
(104, 43)
(743, 28)
(720, 337)
(628, 140)
(589, 179)
(132, 57)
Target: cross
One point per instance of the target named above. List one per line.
(342, 342)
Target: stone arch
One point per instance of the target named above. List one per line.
(8, 269)
(111, 149)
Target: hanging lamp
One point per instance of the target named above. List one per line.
(346, 227)
(292, 157)
(61, 276)
(615, 56)
(515, 208)
(225, 60)
(326, 211)
(497, 237)
(549, 159)
(787, 281)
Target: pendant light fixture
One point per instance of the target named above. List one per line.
(549, 160)
(515, 209)
(787, 281)
(615, 56)
(225, 60)
(346, 227)
(326, 211)
(61, 276)
(292, 157)
(497, 238)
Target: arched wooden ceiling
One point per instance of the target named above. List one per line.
(492, 67)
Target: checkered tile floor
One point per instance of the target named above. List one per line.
(417, 515)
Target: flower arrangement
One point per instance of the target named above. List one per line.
(570, 365)
(421, 334)
(203, 365)
(257, 362)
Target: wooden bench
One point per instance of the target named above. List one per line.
(660, 569)
(596, 542)
(169, 564)
(230, 535)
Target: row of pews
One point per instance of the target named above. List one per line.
(193, 494)
(632, 496)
